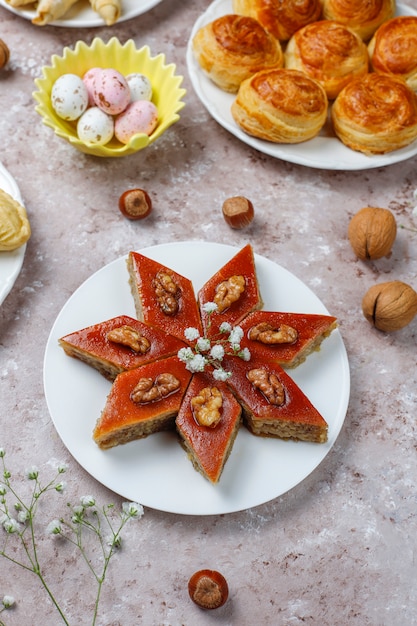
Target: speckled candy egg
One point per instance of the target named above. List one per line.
(140, 87)
(95, 126)
(111, 91)
(69, 97)
(89, 81)
(139, 117)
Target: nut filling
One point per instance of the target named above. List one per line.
(229, 291)
(207, 406)
(149, 390)
(266, 333)
(128, 336)
(167, 293)
(268, 384)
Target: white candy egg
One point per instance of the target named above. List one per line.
(69, 96)
(95, 126)
(140, 87)
(139, 117)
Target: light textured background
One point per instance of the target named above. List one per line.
(340, 547)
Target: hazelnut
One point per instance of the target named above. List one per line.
(208, 589)
(135, 204)
(4, 54)
(372, 233)
(238, 212)
(390, 306)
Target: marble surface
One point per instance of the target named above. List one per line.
(339, 548)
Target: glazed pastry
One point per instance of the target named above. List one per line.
(207, 423)
(285, 338)
(281, 19)
(119, 344)
(393, 49)
(48, 11)
(330, 53)
(109, 10)
(375, 114)
(234, 289)
(163, 298)
(273, 404)
(233, 48)
(14, 223)
(280, 105)
(142, 401)
(362, 17)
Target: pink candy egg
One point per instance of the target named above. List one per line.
(140, 116)
(111, 91)
(89, 79)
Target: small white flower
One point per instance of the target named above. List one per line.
(236, 335)
(10, 525)
(191, 333)
(217, 352)
(209, 307)
(8, 601)
(62, 468)
(54, 527)
(87, 501)
(185, 354)
(3, 490)
(32, 472)
(196, 364)
(23, 516)
(133, 509)
(59, 487)
(245, 354)
(203, 344)
(2, 453)
(225, 327)
(222, 375)
(78, 509)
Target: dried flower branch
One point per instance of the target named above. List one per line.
(18, 523)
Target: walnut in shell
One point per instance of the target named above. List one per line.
(390, 306)
(372, 233)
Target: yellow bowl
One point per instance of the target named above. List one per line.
(127, 59)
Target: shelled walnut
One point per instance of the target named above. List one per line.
(390, 306)
(149, 390)
(207, 405)
(229, 291)
(129, 337)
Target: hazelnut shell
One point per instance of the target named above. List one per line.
(238, 212)
(372, 232)
(390, 306)
(135, 204)
(208, 589)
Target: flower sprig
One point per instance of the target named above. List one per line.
(207, 352)
(17, 519)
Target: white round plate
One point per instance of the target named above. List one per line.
(10, 262)
(323, 152)
(156, 471)
(81, 15)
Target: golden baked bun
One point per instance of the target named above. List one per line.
(280, 105)
(393, 49)
(330, 53)
(362, 16)
(232, 48)
(375, 114)
(281, 19)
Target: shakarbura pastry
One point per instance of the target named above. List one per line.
(281, 105)
(330, 53)
(232, 48)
